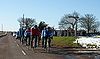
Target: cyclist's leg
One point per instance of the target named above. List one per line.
(36, 37)
(45, 42)
(26, 40)
(23, 40)
(29, 40)
(39, 38)
(20, 39)
(32, 41)
(49, 42)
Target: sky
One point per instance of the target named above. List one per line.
(50, 11)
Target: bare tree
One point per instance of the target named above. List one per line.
(89, 22)
(26, 22)
(70, 19)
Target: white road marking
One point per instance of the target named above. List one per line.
(23, 52)
(15, 41)
(17, 45)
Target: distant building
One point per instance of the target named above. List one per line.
(69, 32)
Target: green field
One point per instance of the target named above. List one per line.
(64, 42)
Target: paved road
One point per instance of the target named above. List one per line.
(10, 48)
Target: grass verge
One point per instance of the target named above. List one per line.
(64, 42)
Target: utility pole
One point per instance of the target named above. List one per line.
(23, 16)
(23, 22)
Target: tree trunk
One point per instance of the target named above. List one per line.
(67, 33)
(73, 26)
(88, 31)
